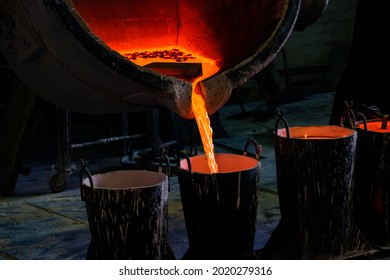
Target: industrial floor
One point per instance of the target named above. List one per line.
(37, 224)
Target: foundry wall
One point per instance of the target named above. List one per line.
(317, 55)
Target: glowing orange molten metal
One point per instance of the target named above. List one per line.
(375, 126)
(205, 130)
(202, 118)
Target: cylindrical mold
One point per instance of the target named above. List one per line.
(220, 209)
(127, 214)
(373, 182)
(315, 175)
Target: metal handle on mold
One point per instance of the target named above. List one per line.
(348, 112)
(186, 157)
(192, 152)
(281, 118)
(375, 111)
(89, 176)
(258, 148)
(359, 114)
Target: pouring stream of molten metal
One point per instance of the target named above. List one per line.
(205, 130)
(199, 111)
(201, 116)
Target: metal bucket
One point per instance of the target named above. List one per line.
(220, 209)
(315, 171)
(127, 214)
(373, 182)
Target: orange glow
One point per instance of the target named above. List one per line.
(228, 31)
(375, 127)
(209, 66)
